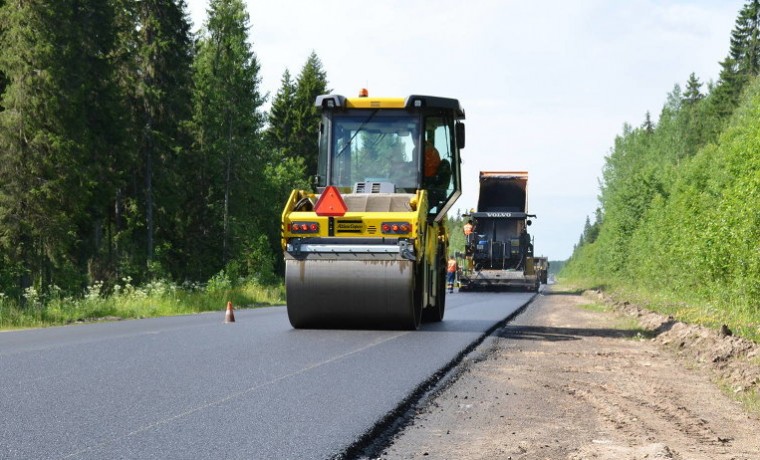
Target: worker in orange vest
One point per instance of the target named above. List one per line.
(467, 228)
(451, 273)
(432, 160)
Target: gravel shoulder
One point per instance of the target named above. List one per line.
(565, 381)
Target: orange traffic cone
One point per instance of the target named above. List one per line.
(230, 316)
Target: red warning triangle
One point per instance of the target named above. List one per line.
(330, 203)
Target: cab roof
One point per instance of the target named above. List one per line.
(415, 101)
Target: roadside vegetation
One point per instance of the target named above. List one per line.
(628, 325)
(678, 226)
(137, 163)
(126, 301)
(750, 400)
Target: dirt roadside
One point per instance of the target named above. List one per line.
(567, 382)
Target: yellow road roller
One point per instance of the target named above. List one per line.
(367, 248)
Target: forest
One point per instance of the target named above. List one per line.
(678, 222)
(134, 150)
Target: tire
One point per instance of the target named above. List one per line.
(434, 313)
(417, 296)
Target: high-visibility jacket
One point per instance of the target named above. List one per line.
(432, 160)
(452, 266)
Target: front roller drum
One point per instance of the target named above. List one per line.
(352, 293)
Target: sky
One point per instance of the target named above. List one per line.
(546, 86)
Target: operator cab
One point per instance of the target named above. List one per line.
(392, 146)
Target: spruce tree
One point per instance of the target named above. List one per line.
(311, 82)
(693, 120)
(648, 125)
(693, 93)
(279, 134)
(586, 237)
(156, 46)
(742, 62)
(745, 41)
(60, 139)
(3, 84)
(91, 76)
(3, 76)
(227, 158)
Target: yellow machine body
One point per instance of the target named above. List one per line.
(368, 247)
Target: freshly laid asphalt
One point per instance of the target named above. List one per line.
(195, 387)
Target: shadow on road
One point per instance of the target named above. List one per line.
(460, 325)
(568, 292)
(560, 334)
(553, 289)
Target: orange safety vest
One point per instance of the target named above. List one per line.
(432, 160)
(452, 266)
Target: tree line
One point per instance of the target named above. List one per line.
(679, 208)
(131, 146)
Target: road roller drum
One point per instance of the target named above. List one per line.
(347, 292)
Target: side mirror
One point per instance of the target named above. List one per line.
(460, 135)
(529, 222)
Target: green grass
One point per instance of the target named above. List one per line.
(749, 399)
(623, 323)
(743, 321)
(738, 314)
(159, 298)
(595, 307)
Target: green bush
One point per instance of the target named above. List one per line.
(682, 233)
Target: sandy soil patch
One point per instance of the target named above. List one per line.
(567, 382)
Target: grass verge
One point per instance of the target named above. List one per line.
(748, 398)
(624, 323)
(738, 314)
(158, 298)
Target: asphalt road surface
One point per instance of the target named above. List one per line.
(194, 387)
